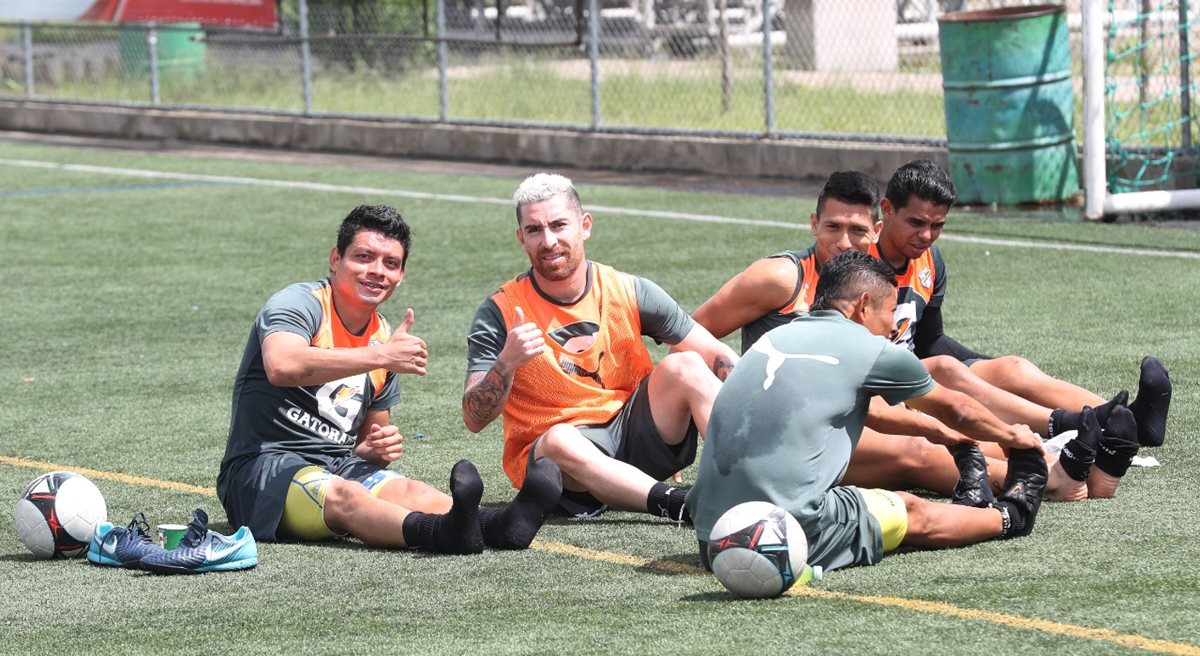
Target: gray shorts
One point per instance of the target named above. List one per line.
(846, 534)
(632, 438)
(253, 490)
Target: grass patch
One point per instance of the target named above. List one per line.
(128, 307)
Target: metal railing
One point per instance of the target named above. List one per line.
(843, 70)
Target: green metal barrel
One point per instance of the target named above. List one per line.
(1010, 106)
(181, 51)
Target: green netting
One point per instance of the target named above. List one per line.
(1150, 88)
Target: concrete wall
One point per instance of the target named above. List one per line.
(792, 159)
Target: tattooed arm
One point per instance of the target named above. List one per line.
(486, 392)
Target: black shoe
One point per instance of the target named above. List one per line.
(973, 487)
(1024, 488)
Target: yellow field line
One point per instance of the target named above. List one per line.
(109, 476)
(932, 607)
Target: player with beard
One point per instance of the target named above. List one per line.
(558, 352)
(311, 435)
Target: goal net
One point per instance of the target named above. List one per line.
(1145, 83)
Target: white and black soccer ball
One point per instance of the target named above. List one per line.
(58, 514)
(757, 550)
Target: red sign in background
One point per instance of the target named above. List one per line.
(247, 13)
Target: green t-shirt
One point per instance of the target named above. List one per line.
(790, 414)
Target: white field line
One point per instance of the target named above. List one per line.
(599, 209)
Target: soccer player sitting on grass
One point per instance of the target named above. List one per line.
(558, 351)
(776, 289)
(311, 436)
(787, 420)
(918, 197)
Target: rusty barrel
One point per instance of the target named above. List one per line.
(1010, 105)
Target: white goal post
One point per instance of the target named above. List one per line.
(1098, 200)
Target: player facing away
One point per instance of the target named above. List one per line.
(788, 418)
(918, 197)
(558, 352)
(778, 288)
(311, 436)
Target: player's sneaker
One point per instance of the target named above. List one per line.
(202, 550)
(1023, 489)
(120, 546)
(973, 487)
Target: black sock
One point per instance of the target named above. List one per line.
(421, 529)
(1153, 401)
(1062, 421)
(1013, 516)
(1119, 444)
(456, 532)
(1103, 411)
(515, 525)
(1078, 455)
(667, 501)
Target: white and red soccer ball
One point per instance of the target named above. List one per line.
(58, 514)
(757, 550)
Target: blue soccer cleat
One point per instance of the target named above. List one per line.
(202, 550)
(119, 546)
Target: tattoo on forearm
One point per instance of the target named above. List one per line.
(486, 399)
(722, 366)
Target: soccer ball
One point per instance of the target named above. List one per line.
(757, 550)
(58, 513)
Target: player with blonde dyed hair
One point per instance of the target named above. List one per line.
(558, 352)
(311, 436)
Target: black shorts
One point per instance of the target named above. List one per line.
(254, 490)
(632, 438)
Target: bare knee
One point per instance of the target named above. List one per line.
(566, 446)
(686, 368)
(1015, 367)
(915, 455)
(342, 499)
(918, 516)
(946, 370)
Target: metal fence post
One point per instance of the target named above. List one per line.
(443, 86)
(594, 58)
(27, 52)
(1185, 79)
(768, 72)
(152, 43)
(305, 58)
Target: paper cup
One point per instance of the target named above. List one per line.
(170, 535)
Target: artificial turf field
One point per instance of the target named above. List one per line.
(131, 280)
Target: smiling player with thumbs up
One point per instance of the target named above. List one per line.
(311, 436)
(558, 352)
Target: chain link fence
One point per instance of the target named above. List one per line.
(860, 70)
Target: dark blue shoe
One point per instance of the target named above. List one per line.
(202, 550)
(118, 546)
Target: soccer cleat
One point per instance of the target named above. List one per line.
(1023, 490)
(972, 488)
(202, 550)
(119, 546)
